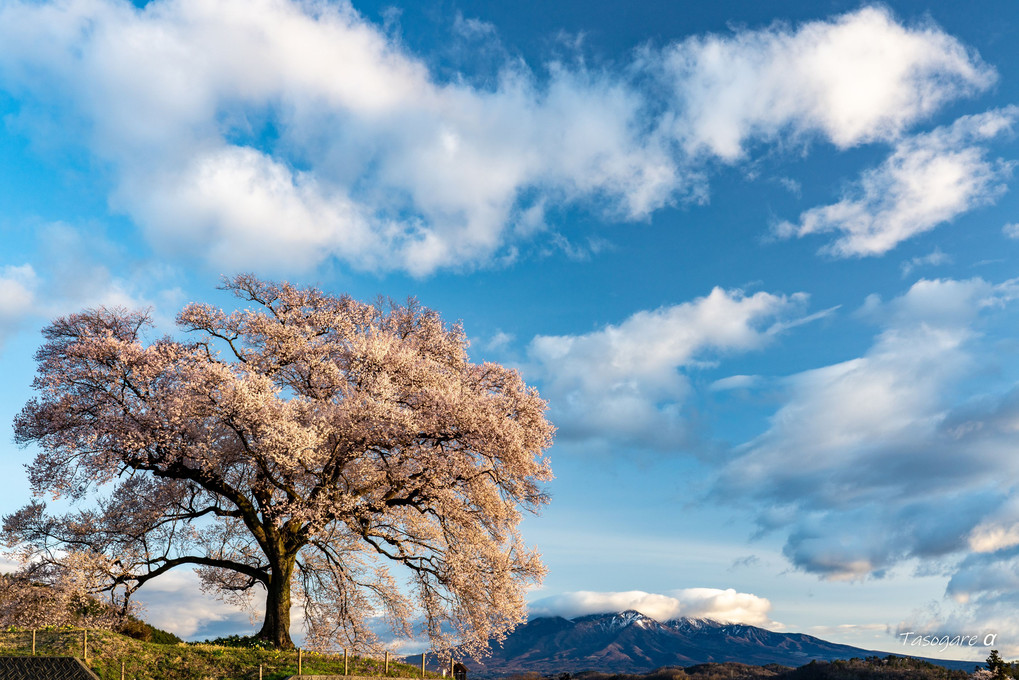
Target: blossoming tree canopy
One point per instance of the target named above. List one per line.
(345, 455)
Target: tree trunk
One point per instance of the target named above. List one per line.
(276, 626)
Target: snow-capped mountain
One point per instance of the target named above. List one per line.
(630, 642)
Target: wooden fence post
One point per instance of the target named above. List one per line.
(345, 661)
(84, 645)
(300, 653)
(387, 662)
(259, 671)
(33, 642)
(422, 664)
(121, 669)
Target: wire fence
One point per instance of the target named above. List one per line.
(116, 657)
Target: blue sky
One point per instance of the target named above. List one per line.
(759, 258)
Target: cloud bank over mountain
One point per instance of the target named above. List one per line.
(726, 606)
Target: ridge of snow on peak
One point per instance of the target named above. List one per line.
(691, 623)
(632, 617)
(618, 621)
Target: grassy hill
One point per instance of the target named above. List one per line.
(189, 661)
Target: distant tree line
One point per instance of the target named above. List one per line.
(870, 668)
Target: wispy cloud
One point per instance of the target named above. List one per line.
(175, 602)
(736, 382)
(932, 259)
(884, 457)
(81, 268)
(628, 381)
(744, 562)
(8, 566)
(18, 285)
(987, 623)
(929, 179)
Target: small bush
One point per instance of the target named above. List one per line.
(136, 629)
(139, 630)
(241, 641)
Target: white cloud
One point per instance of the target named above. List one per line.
(473, 28)
(369, 159)
(726, 606)
(934, 258)
(857, 78)
(17, 285)
(990, 619)
(176, 603)
(999, 530)
(246, 208)
(882, 458)
(499, 341)
(1011, 230)
(17, 297)
(992, 537)
(75, 270)
(983, 575)
(629, 382)
(929, 179)
(374, 162)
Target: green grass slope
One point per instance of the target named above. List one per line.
(189, 661)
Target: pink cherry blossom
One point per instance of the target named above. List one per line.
(343, 456)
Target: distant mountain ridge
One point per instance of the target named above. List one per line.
(630, 642)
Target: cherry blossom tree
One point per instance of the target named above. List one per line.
(344, 456)
(44, 594)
